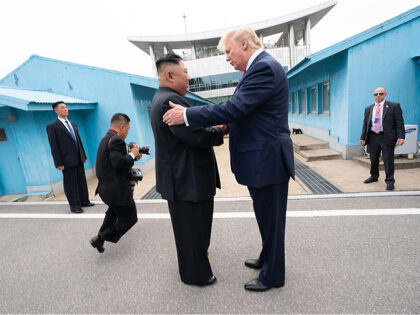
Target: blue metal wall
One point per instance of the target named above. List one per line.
(333, 70)
(113, 91)
(385, 60)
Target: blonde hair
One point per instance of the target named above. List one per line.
(239, 35)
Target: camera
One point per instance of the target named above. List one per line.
(143, 150)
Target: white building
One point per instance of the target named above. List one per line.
(286, 38)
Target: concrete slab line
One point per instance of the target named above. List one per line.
(224, 199)
(224, 215)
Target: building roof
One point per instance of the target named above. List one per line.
(32, 100)
(211, 38)
(132, 78)
(354, 40)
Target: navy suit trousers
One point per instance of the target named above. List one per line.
(270, 204)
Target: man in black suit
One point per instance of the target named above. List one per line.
(383, 129)
(186, 173)
(261, 151)
(69, 155)
(113, 163)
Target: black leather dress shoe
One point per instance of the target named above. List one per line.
(88, 204)
(76, 210)
(254, 263)
(370, 180)
(258, 286)
(97, 243)
(390, 186)
(210, 281)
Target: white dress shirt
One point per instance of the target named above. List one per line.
(65, 125)
(381, 105)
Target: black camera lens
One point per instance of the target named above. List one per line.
(144, 150)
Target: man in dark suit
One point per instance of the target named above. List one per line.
(186, 173)
(261, 150)
(383, 129)
(69, 155)
(113, 163)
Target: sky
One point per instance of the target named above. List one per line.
(94, 32)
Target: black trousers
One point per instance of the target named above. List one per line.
(75, 186)
(118, 220)
(378, 143)
(270, 205)
(191, 223)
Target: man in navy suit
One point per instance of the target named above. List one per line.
(69, 155)
(261, 150)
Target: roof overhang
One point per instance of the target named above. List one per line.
(354, 40)
(211, 38)
(32, 100)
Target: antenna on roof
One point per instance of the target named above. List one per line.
(185, 22)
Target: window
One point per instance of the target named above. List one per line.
(326, 98)
(3, 135)
(213, 82)
(290, 104)
(313, 100)
(303, 102)
(295, 98)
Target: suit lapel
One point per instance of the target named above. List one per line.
(62, 127)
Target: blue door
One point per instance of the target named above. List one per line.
(12, 179)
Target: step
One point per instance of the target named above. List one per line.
(303, 142)
(319, 154)
(399, 162)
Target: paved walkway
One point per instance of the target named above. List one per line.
(343, 255)
(346, 175)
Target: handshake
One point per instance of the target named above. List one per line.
(138, 151)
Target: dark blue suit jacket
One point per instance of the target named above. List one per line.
(260, 146)
(63, 147)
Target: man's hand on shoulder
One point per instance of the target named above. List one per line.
(174, 116)
(60, 168)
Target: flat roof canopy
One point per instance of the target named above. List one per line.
(211, 38)
(32, 100)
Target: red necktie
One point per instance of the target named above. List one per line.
(244, 74)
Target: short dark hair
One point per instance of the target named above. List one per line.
(54, 105)
(168, 58)
(120, 118)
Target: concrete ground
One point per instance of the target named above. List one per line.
(338, 263)
(230, 188)
(346, 175)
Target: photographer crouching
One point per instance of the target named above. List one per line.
(116, 180)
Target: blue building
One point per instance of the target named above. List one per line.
(330, 89)
(92, 95)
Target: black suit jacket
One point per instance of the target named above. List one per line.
(392, 123)
(112, 166)
(63, 147)
(186, 168)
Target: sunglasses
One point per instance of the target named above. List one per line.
(376, 94)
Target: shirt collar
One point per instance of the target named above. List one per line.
(381, 103)
(62, 120)
(253, 56)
